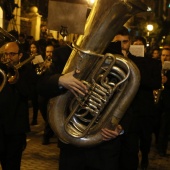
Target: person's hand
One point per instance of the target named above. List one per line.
(164, 79)
(124, 52)
(71, 83)
(108, 134)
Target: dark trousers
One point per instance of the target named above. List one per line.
(12, 147)
(164, 132)
(138, 138)
(156, 127)
(35, 106)
(146, 136)
(102, 157)
(43, 102)
(129, 152)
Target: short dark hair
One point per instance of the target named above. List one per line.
(123, 31)
(22, 35)
(156, 49)
(140, 38)
(21, 50)
(166, 49)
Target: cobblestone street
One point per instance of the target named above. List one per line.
(37, 156)
(45, 157)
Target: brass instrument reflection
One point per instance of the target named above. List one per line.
(157, 93)
(165, 58)
(42, 67)
(12, 74)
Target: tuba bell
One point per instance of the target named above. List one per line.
(112, 79)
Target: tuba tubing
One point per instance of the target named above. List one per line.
(115, 111)
(107, 100)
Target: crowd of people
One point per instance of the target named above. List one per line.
(42, 78)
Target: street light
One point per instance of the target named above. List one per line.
(149, 27)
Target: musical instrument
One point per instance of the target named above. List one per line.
(42, 67)
(157, 93)
(13, 75)
(4, 38)
(165, 67)
(112, 79)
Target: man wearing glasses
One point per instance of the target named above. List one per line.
(14, 108)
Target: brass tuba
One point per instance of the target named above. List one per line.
(112, 80)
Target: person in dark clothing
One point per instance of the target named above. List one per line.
(99, 157)
(122, 151)
(140, 115)
(14, 109)
(146, 135)
(35, 50)
(43, 102)
(164, 115)
(24, 43)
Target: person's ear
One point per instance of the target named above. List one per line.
(20, 55)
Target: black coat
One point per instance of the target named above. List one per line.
(165, 95)
(48, 82)
(143, 104)
(14, 103)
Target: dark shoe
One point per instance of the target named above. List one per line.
(45, 141)
(34, 122)
(143, 168)
(144, 164)
(162, 154)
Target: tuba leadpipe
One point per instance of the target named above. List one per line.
(112, 79)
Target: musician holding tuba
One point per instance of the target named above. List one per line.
(14, 106)
(52, 84)
(87, 123)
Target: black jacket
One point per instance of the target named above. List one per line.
(14, 102)
(165, 95)
(48, 82)
(142, 105)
